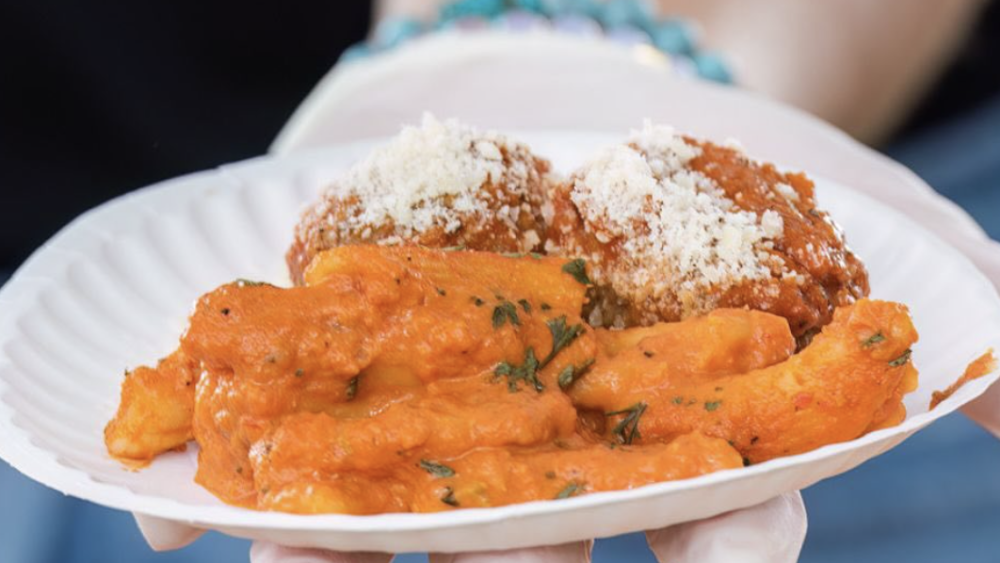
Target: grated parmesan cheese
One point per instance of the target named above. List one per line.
(429, 176)
(670, 218)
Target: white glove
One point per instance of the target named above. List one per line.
(771, 532)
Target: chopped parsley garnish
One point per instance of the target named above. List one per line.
(524, 305)
(571, 373)
(526, 372)
(678, 400)
(503, 312)
(299, 372)
(902, 359)
(440, 291)
(436, 469)
(479, 302)
(578, 269)
(449, 497)
(627, 430)
(712, 405)
(569, 490)
(562, 336)
(873, 340)
(546, 306)
(352, 387)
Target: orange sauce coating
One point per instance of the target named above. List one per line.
(414, 380)
(977, 368)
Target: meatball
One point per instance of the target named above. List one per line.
(442, 184)
(672, 227)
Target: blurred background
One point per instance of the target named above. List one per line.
(100, 98)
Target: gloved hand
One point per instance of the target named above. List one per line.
(771, 532)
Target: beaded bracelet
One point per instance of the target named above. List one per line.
(627, 22)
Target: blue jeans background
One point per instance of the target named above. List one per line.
(934, 498)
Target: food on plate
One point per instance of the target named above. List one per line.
(848, 381)
(466, 331)
(442, 184)
(491, 477)
(977, 368)
(350, 393)
(674, 227)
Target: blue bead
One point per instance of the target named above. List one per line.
(355, 52)
(711, 66)
(617, 13)
(530, 6)
(391, 32)
(475, 8)
(674, 37)
(588, 8)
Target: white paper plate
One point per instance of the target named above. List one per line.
(114, 288)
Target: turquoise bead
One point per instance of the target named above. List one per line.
(474, 8)
(392, 32)
(711, 66)
(673, 36)
(554, 8)
(355, 52)
(535, 6)
(618, 13)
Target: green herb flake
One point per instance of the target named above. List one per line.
(449, 497)
(440, 291)
(571, 373)
(569, 490)
(479, 302)
(526, 372)
(535, 255)
(299, 372)
(545, 306)
(712, 405)
(505, 311)
(627, 430)
(873, 340)
(902, 359)
(562, 336)
(578, 269)
(678, 400)
(438, 470)
(524, 305)
(352, 388)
